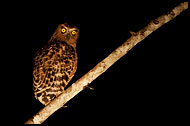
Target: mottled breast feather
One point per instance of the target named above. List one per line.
(54, 66)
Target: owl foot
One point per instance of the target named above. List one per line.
(91, 88)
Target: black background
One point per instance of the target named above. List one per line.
(146, 85)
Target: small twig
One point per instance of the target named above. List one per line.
(101, 67)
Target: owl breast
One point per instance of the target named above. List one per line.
(54, 66)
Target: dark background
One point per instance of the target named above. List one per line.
(146, 85)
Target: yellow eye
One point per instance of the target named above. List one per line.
(74, 32)
(63, 30)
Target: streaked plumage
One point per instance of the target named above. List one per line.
(55, 64)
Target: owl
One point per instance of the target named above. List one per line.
(55, 64)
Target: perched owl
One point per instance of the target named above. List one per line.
(55, 64)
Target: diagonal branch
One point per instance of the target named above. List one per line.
(101, 67)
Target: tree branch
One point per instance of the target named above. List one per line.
(101, 67)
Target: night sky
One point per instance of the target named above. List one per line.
(145, 85)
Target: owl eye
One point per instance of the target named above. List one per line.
(74, 32)
(63, 30)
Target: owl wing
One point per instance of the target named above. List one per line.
(53, 69)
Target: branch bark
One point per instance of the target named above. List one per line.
(101, 67)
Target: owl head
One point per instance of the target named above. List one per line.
(67, 33)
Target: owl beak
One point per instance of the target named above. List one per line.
(68, 37)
